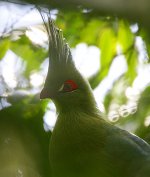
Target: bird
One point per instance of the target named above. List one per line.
(83, 143)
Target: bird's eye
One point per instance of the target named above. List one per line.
(68, 86)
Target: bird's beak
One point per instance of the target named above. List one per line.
(44, 94)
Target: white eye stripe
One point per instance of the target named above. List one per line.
(61, 88)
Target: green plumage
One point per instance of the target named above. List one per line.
(83, 144)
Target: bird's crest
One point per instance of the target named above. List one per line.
(59, 50)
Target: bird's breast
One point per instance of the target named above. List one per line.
(76, 147)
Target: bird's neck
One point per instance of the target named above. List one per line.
(86, 107)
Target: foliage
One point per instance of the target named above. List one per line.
(23, 141)
(32, 54)
(25, 119)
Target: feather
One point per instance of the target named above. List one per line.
(59, 50)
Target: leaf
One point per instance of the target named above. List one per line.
(90, 33)
(72, 24)
(132, 61)
(125, 36)
(146, 38)
(4, 46)
(143, 112)
(24, 142)
(107, 44)
(32, 54)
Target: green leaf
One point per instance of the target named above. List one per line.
(146, 39)
(72, 24)
(132, 61)
(24, 143)
(125, 36)
(32, 54)
(4, 45)
(107, 44)
(90, 33)
(143, 112)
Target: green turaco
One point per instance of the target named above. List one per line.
(83, 144)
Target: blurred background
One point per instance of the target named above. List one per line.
(111, 51)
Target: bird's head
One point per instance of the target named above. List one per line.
(64, 84)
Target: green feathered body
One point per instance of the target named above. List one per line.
(83, 144)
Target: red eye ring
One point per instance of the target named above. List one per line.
(68, 86)
(72, 84)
